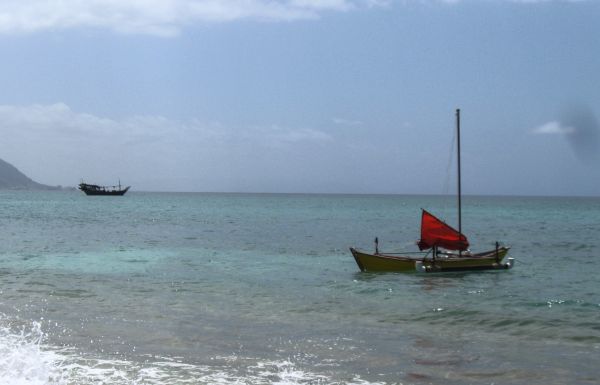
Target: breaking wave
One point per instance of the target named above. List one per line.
(26, 360)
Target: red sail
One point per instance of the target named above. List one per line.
(436, 233)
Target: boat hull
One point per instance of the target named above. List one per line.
(110, 192)
(92, 189)
(489, 260)
(382, 262)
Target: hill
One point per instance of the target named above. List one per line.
(13, 179)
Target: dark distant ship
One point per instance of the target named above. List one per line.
(92, 189)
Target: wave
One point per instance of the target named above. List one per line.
(26, 360)
(23, 361)
(569, 325)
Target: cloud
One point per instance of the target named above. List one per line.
(584, 138)
(553, 128)
(59, 122)
(579, 126)
(277, 136)
(167, 18)
(159, 17)
(54, 144)
(521, 1)
(347, 122)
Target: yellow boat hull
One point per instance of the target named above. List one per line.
(382, 262)
(444, 262)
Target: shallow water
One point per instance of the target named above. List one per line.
(155, 288)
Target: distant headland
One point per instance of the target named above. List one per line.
(13, 179)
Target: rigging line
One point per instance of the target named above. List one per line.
(446, 188)
(449, 165)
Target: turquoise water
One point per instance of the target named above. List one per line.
(155, 288)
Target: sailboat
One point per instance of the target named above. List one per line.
(447, 248)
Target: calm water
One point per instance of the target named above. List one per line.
(156, 288)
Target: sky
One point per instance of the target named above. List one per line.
(307, 96)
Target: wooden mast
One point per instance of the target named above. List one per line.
(458, 157)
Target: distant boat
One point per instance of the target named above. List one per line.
(92, 189)
(447, 247)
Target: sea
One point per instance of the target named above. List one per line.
(203, 288)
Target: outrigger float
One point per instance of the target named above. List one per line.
(448, 248)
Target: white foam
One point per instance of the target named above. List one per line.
(25, 360)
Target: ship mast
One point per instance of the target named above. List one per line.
(458, 157)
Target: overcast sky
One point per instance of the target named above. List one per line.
(349, 96)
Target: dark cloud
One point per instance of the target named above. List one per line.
(582, 132)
